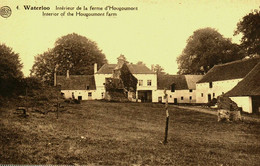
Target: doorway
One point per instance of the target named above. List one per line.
(209, 97)
(175, 101)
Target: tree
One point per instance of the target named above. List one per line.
(140, 63)
(206, 48)
(44, 66)
(249, 27)
(158, 69)
(10, 71)
(71, 52)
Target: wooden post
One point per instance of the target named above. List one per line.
(167, 117)
(58, 104)
(26, 101)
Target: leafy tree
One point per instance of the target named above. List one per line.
(249, 26)
(140, 63)
(44, 66)
(206, 48)
(71, 52)
(158, 69)
(10, 71)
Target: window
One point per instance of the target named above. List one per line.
(213, 94)
(181, 97)
(104, 83)
(140, 82)
(201, 94)
(190, 90)
(87, 87)
(89, 94)
(170, 96)
(210, 85)
(149, 82)
(102, 94)
(173, 88)
(190, 97)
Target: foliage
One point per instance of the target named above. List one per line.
(113, 84)
(206, 48)
(10, 71)
(71, 52)
(128, 79)
(38, 95)
(158, 69)
(44, 66)
(140, 63)
(249, 27)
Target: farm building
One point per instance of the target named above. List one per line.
(81, 87)
(247, 92)
(92, 87)
(147, 79)
(222, 78)
(180, 88)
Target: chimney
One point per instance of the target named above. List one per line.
(95, 68)
(68, 74)
(152, 67)
(120, 61)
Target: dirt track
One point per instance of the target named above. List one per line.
(213, 112)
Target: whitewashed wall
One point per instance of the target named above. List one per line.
(145, 77)
(186, 94)
(83, 93)
(218, 88)
(100, 80)
(245, 102)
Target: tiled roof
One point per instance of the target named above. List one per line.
(167, 80)
(106, 69)
(139, 69)
(135, 69)
(233, 70)
(76, 82)
(249, 86)
(192, 80)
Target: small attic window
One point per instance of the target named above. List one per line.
(190, 90)
(210, 85)
(87, 87)
(173, 87)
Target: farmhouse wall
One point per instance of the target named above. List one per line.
(182, 96)
(83, 93)
(145, 78)
(245, 102)
(218, 88)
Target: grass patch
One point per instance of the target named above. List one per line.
(104, 133)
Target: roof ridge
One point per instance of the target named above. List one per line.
(237, 61)
(75, 75)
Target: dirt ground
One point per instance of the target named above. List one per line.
(103, 133)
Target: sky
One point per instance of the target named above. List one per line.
(155, 33)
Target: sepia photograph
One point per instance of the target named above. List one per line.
(130, 82)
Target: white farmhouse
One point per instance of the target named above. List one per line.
(222, 78)
(92, 87)
(180, 88)
(147, 79)
(81, 87)
(246, 93)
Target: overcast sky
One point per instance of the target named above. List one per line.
(156, 33)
